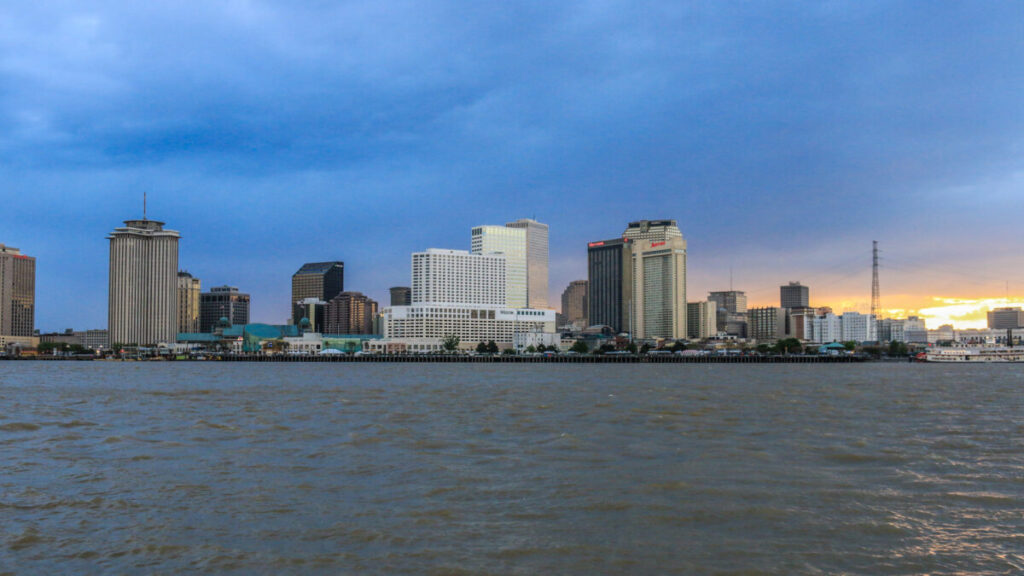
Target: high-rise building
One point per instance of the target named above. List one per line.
(17, 292)
(459, 277)
(653, 230)
(350, 313)
(859, 327)
(189, 289)
(143, 304)
(320, 280)
(733, 301)
(795, 295)
(574, 303)
(732, 311)
(223, 302)
(610, 283)
(1005, 318)
(512, 243)
(659, 287)
(401, 295)
(536, 261)
(701, 320)
(768, 323)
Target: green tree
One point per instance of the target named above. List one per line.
(481, 348)
(450, 343)
(531, 349)
(850, 345)
(509, 352)
(580, 347)
(763, 348)
(631, 348)
(492, 347)
(645, 348)
(678, 346)
(897, 348)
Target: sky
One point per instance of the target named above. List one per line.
(783, 137)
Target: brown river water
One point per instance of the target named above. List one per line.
(213, 468)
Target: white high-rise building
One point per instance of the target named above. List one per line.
(859, 327)
(536, 261)
(456, 276)
(512, 243)
(659, 288)
(143, 302)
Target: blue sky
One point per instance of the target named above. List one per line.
(783, 137)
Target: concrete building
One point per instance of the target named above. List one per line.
(223, 302)
(536, 261)
(320, 280)
(523, 340)
(798, 319)
(350, 313)
(1006, 318)
(610, 283)
(794, 295)
(189, 289)
(143, 303)
(511, 242)
(574, 303)
(17, 293)
(766, 324)
(401, 295)
(458, 276)
(701, 320)
(94, 339)
(659, 287)
(825, 328)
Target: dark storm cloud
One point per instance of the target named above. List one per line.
(331, 127)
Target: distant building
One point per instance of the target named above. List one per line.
(223, 302)
(94, 339)
(17, 293)
(536, 261)
(794, 295)
(401, 295)
(766, 324)
(189, 289)
(732, 311)
(574, 303)
(915, 330)
(659, 287)
(825, 328)
(511, 242)
(459, 277)
(350, 313)
(431, 323)
(1006, 318)
(701, 320)
(610, 283)
(143, 303)
(892, 330)
(320, 280)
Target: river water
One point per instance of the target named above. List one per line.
(510, 469)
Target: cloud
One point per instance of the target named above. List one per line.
(764, 129)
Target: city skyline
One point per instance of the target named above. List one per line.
(784, 139)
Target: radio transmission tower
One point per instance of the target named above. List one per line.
(875, 306)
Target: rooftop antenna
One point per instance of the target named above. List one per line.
(143, 205)
(875, 307)
(730, 278)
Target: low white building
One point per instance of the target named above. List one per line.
(470, 322)
(523, 340)
(859, 327)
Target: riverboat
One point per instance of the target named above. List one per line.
(973, 354)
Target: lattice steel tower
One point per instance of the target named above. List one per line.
(875, 306)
